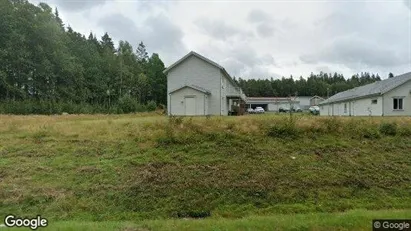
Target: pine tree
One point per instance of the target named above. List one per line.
(141, 52)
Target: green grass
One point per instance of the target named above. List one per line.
(352, 220)
(144, 166)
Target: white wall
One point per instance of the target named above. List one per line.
(196, 71)
(325, 110)
(401, 91)
(358, 107)
(364, 107)
(272, 107)
(304, 101)
(177, 102)
(224, 90)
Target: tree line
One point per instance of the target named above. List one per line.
(321, 84)
(46, 67)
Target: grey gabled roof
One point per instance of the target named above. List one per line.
(206, 60)
(188, 55)
(376, 88)
(207, 92)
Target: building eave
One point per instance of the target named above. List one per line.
(349, 99)
(197, 88)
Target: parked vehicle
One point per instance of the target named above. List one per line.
(283, 109)
(297, 109)
(259, 110)
(315, 110)
(250, 110)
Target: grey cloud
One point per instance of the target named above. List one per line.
(150, 5)
(407, 3)
(245, 71)
(219, 29)
(164, 35)
(117, 24)
(324, 69)
(245, 62)
(265, 30)
(354, 51)
(78, 5)
(262, 72)
(363, 18)
(266, 26)
(249, 57)
(158, 33)
(234, 66)
(258, 16)
(358, 37)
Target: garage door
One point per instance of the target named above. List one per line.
(190, 106)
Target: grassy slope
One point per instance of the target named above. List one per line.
(348, 221)
(131, 167)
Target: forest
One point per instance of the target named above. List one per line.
(321, 84)
(48, 68)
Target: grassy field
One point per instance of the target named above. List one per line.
(80, 170)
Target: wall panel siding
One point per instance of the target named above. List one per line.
(325, 110)
(223, 98)
(365, 107)
(198, 72)
(401, 91)
(358, 107)
(177, 103)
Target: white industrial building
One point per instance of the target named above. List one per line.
(389, 97)
(275, 103)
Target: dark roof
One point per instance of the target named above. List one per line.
(207, 92)
(376, 88)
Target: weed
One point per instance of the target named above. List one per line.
(332, 125)
(369, 133)
(404, 130)
(175, 120)
(143, 166)
(283, 130)
(389, 129)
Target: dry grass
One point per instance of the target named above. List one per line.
(118, 167)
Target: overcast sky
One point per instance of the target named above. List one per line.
(258, 39)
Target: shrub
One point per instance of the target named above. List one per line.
(332, 125)
(151, 105)
(141, 108)
(175, 120)
(283, 130)
(194, 214)
(127, 105)
(389, 129)
(370, 133)
(404, 131)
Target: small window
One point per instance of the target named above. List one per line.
(374, 101)
(397, 104)
(345, 108)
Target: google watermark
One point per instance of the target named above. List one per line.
(391, 224)
(32, 223)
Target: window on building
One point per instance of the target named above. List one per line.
(345, 108)
(397, 104)
(374, 101)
